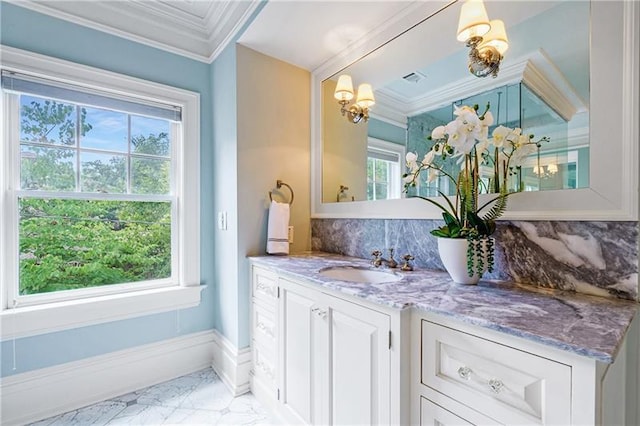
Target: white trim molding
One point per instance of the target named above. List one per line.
(39, 394)
(51, 317)
(535, 70)
(194, 29)
(231, 364)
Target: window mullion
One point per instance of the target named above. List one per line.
(93, 196)
(128, 171)
(78, 126)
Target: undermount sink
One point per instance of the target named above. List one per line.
(359, 275)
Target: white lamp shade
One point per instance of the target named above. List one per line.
(365, 96)
(536, 170)
(553, 168)
(496, 37)
(344, 88)
(473, 20)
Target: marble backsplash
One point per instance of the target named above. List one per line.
(598, 258)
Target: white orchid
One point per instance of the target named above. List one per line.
(466, 140)
(482, 165)
(433, 175)
(438, 133)
(488, 119)
(412, 161)
(428, 158)
(521, 153)
(500, 134)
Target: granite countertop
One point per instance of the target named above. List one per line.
(586, 325)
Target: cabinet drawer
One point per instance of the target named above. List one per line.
(510, 385)
(434, 415)
(265, 287)
(264, 366)
(264, 327)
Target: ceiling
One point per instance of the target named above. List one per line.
(303, 33)
(309, 33)
(193, 28)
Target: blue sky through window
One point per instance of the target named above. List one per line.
(109, 131)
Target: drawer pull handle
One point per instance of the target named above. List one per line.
(319, 312)
(266, 370)
(266, 330)
(464, 372)
(265, 288)
(496, 385)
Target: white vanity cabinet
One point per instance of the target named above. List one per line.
(469, 375)
(336, 362)
(264, 305)
(325, 357)
(334, 359)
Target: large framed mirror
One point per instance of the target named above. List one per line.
(574, 86)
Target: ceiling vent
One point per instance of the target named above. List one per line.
(414, 77)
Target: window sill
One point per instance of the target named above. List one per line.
(51, 317)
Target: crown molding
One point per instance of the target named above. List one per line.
(192, 31)
(536, 70)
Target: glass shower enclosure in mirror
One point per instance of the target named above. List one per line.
(542, 87)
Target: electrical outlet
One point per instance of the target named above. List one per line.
(222, 221)
(290, 234)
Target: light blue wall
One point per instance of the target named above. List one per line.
(388, 132)
(232, 293)
(225, 137)
(38, 33)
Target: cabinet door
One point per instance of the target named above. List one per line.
(359, 364)
(299, 352)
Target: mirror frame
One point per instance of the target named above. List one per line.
(613, 128)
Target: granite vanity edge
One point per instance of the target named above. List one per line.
(599, 355)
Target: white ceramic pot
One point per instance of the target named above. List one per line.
(453, 253)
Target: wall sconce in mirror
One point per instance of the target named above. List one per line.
(543, 173)
(344, 93)
(486, 39)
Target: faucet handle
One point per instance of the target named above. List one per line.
(391, 263)
(406, 266)
(377, 258)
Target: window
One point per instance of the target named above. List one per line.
(384, 169)
(95, 185)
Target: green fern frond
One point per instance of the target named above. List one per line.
(497, 209)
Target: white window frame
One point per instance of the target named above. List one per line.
(395, 183)
(97, 304)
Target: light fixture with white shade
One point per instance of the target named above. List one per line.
(364, 100)
(486, 39)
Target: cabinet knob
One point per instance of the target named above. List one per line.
(496, 385)
(319, 312)
(464, 372)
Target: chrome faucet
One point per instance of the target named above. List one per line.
(378, 260)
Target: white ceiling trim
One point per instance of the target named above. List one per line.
(200, 35)
(536, 70)
(239, 23)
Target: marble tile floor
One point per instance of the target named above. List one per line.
(196, 399)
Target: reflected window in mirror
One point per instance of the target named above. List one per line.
(385, 162)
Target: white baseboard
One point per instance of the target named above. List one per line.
(231, 364)
(35, 395)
